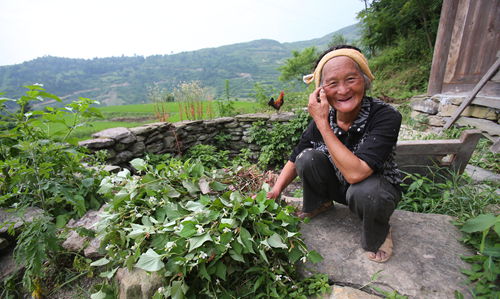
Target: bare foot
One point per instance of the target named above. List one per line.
(379, 256)
(384, 253)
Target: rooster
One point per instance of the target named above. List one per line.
(278, 103)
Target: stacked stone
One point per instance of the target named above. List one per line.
(124, 144)
(439, 108)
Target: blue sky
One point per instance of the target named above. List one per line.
(103, 28)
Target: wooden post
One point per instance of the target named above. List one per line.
(442, 46)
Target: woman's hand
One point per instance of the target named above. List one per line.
(318, 106)
(273, 194)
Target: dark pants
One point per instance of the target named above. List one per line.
(373, 199)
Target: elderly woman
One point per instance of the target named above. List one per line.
(347, 152)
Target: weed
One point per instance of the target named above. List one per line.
(39, 171)
(458, 197)
(278, 141)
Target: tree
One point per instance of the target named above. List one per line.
(302, 63)
(385, 22)
(338, 39)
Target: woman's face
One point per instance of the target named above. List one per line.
(343, 84)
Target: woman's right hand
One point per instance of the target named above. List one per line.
(273, 194)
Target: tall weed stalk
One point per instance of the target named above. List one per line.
(43, 169)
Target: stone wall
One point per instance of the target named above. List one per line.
(436, 110)
(124, 144)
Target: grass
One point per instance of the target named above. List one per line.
(138, 114)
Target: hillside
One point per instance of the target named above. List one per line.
(124, 80)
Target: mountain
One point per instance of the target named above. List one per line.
(125, 80)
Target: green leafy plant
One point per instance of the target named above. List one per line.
(455, 196)
(208, 155)
(483, 233)
(459, 197)
(42, 168)
(205, 240)
(278, 141)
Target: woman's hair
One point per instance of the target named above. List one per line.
(368, 82)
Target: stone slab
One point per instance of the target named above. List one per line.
(98, 143)
(480, 175)
(117, 133)
(484, 125)
(425, 263)
(8, 265)
(9, 217)
(342, 292)
(427, 106)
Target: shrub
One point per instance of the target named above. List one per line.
(277, 142)
(39, 171)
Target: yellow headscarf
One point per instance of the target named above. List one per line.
(355, 55)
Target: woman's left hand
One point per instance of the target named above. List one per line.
(318, 106)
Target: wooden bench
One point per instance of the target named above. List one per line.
(427, 157)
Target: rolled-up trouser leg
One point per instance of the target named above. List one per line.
(374, 201)
(319, 182)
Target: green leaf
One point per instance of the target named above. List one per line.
(247, 239)
(226, 222)
(489, 267)
(188, 229)
(276, 242)
(98, 295)
(492, 251)
(294, 255)
(108, 274)
(138, 164)
(170, 192)
(196, 242)
(191, 187)
(263, 255)
(480, 223)
(258, 283)
(194, 206)
(150, 261)
(202, 268)
(497, 227)
(137, 230)
(178, 289)
(217, 186)
(61, 220)
(236, 256)
(314, 257)
(100, 262)
(221, 270)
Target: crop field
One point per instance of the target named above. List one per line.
(138, 114)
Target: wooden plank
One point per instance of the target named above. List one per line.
(420, 156)
(487, 101)
(456, 40)
(490, 89)
(493, 69)
(427, 147)
(442, 46)
(469, 140)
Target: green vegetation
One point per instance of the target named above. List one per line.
(38, 171)
(399, 36)
(175, 218)
(470, 204)
(130, 116)
(184, 223)
(278, 141)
